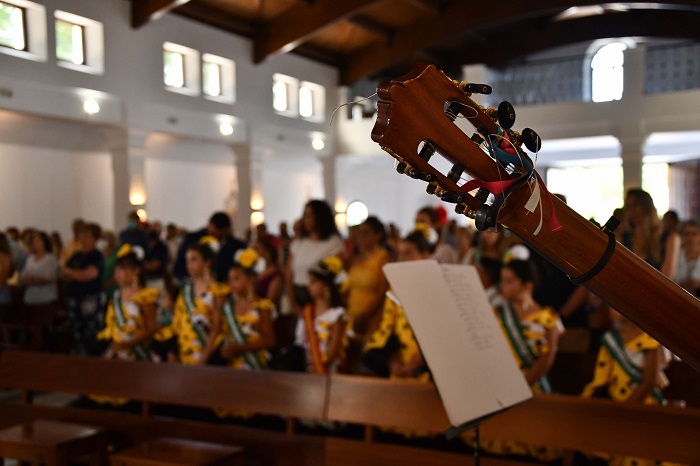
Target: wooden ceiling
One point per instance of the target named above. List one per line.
(377, 39)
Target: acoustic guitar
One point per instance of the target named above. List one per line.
(493, 180)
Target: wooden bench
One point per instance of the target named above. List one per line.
(178, 452)
(565, 422)
(34, 320)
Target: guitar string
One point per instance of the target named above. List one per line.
(348, 103)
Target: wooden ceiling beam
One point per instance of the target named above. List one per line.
(214, 17)
(457, 18)
(303, 20)
(641, 23)
(145, 11)
(368, 24)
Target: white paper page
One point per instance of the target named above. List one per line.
(459, 335)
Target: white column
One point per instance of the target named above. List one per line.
(128, 151)
(632, 161)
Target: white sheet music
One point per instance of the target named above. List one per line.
(459, 335)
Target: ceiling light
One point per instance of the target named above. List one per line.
(318, 144)
(226, 129)
(91, 106)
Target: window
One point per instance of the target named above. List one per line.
(218, 78)
(70, 43)
(173, 69)
(312, 101)
(79, 43)
(23, 29)
(285, 95)
(280, 96)
(12, 27)
(306, 102)
(607, 73)
(211, 79)
(181, 69)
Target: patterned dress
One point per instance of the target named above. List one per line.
(123, 322)
(314, 333)
(192, 320)
(245, 328)
(527, 340)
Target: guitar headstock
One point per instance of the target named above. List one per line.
(416, 120)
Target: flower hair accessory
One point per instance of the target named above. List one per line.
(212, 242)
(427, 231)
(517, 253)
(331, 267)
(127, 249)
(249, 259)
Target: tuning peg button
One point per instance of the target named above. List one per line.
(531, 140)
(506, 115)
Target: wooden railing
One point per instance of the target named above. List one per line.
(570, 423)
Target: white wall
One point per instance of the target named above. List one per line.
(48, 188)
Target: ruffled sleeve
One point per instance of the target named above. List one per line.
(548, 319)
(146, 296)
(643, 343)
(219, 290)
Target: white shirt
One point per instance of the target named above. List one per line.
(307, 253)
(687, 270)
(46, 267)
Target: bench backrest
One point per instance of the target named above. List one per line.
(279, 393)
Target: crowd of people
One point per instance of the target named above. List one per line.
(207, 297)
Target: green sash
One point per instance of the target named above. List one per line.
(190, 306)
(614, 344)
(516, 336)
(138, 351)
(238, 336)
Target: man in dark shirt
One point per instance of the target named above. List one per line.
(156, 261)
(84, 298)
(134, 234)
(220, 228)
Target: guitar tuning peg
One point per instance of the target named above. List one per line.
(477, 88)
(464, 209)
(506, 115)
(531, 140)
(484, 219)
(455, 172)
(420, 175)
(401, 167)
(454, 197)
(431, 188)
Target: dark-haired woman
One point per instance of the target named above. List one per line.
(131, 313)
(366, 284)
(40, 272)
(319, 239)
(392, 350)
(270, 282)
(197, 315)
(321, 330)
(532, 331)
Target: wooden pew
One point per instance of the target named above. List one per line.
(571, 423)
(565, 422)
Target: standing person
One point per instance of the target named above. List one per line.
(131, 313)
(269, 283)
(444, 253)
(366, 285)
(6, 270)
(318, 239)
(134, 232)
(392, 350)
(40, 272)
(248, 318)
(219, 227)
(155, 263)
(56, 245)
(688, 271)
(84, 296)
(642, 233)
(74, 244)
(629, 369)
(532, 331)
(321, 330)
(671, 240)
(197, 314)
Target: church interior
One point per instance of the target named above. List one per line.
(212, 211)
